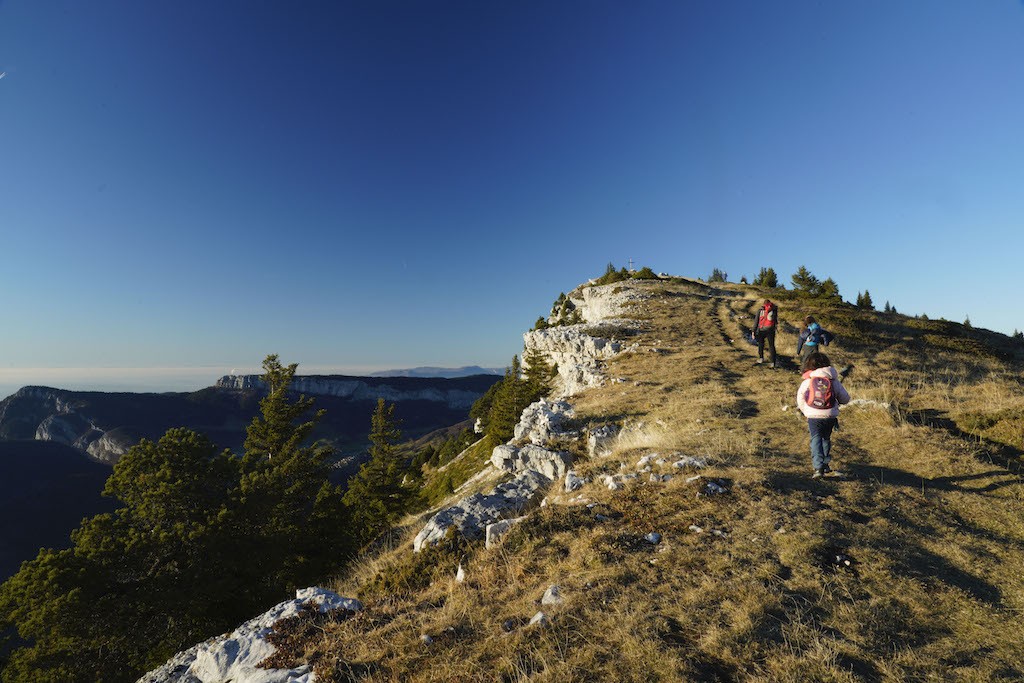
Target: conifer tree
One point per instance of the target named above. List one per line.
(718, 275)
(539, 373)
(804, 281)
(829, 290)
(511, 398)
(376, 496)
(203, 540)
(766, 277)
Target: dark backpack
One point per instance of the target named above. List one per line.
(819, 394)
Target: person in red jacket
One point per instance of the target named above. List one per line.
(764, 331)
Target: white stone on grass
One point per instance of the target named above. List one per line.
(552, 596)
(498, 529)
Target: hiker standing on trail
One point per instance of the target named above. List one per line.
(819, 397)
(764, 330)
(812, 337)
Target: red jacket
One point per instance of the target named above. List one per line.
(767, 317)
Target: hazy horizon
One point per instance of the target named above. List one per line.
(149, 380)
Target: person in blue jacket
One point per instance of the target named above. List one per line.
(812, 338)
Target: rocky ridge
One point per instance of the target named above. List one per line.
(524, 468)
(529, 457)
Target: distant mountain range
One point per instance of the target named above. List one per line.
(57, 446)
(428, 371)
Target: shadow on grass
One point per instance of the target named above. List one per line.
(996, 453)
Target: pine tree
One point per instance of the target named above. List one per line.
(828, 290)
(511, 398)
(376, 496)
(718, 275)
(888, 308)
(539, 372)
(294, 516)
(805, 282)
(864, 301)
(767, 278)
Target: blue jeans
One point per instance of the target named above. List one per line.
(821, 440)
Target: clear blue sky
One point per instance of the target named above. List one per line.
(391, 184)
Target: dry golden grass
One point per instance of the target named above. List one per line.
(928, 512)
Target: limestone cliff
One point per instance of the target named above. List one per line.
(391, 390)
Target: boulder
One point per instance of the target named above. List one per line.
(236, 656)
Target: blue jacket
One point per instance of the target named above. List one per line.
(814, 335)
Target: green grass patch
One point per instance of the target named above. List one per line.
(442, 482)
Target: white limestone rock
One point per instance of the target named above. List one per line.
(542, 421)
(552, 596)
(236, 656)
(573, 482)
(600, 440)
(496, 530)
(470, 516)
(688, 461)
(551, 464)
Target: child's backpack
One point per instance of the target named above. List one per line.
(819, 336)
(819, 394)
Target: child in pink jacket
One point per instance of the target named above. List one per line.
(819, 397)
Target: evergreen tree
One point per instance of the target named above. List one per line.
(203, 541)
(513, 395)
(805, 282)
(864, 301)
(539, 372)
(767, 278)
(888, 308)
(828, 290)
(718, 275)
(289, 514)
(376, 496)
(138, 584)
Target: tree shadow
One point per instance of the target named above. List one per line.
(996, 453)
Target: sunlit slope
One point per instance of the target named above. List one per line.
(907, 566)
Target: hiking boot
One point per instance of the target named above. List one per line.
(818, 474)
(826, 470)
(760, 361)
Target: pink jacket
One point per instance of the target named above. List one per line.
(840, 392)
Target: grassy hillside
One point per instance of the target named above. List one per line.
(905, 567)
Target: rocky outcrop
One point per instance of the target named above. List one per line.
(605, 302)
(543, 421)
(579, 351)
(357, 389)
(237, 656)
(577, 356)
(470, 516)
(111, 445)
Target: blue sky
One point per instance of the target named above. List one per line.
(364, 185)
